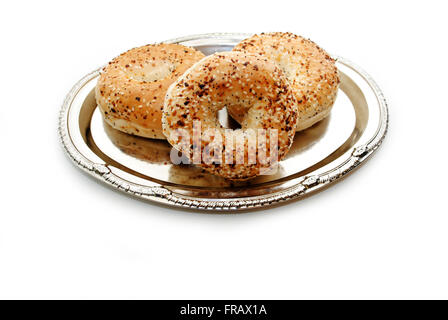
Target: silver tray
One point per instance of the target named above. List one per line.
(319, 157)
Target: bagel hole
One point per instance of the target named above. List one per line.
(150, 73)
(226, 120)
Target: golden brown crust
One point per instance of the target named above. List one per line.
(310, 70)
(254, 85)
(131, 88)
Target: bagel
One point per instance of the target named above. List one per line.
(311, 72)
(255, 87)
(131, 88)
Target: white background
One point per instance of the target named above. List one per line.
(381, 233)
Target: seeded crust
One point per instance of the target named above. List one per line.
(131, 88)
(310, 70)
(249, 83)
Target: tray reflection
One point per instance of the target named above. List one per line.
(157, 152)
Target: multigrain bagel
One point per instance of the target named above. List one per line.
(131, 88)
(256, 88)
(310, 70)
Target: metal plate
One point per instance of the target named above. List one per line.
(320, 155)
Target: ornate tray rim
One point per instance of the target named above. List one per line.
(160, 194)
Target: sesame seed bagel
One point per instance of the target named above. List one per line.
(131, 88)
(256, 88)
(310, 70)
